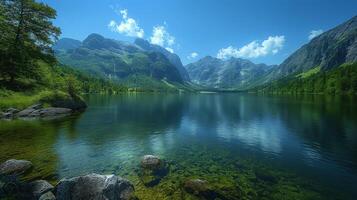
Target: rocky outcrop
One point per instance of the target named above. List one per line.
(153, 169)
(15, 167)
(36, 111)
(89, 187)
(95, 187)
(8, 113)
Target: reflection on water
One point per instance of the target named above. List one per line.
(311, 138)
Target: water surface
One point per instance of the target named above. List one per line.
(247, 146)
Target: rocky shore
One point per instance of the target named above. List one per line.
(39, 111)
(92, 186)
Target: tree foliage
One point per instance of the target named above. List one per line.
(27, 34)
(342, 79)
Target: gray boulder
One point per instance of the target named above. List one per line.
(52, 111)
(202, 189)
(40, 187)
(15, 167)
(28, 111)
(9, 113)
(153, 169)
(47, 196)
(150, 162)
(11, 110)
(95, 187)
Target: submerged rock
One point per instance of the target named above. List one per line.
(202, 189)
(150, 162)
(47, 196)
(153, 169)
(95, 187)
(40, 187)
(15, 167)
(52, 111)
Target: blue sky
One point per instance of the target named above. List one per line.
(261, 31)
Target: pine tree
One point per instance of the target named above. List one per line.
(27, 36)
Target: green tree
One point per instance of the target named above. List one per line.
(27, 37)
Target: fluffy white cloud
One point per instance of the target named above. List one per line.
(315, 33)
(272, 45)
(192, 55)
(128, 26)
(161, 37)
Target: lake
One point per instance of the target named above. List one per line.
(247, 146)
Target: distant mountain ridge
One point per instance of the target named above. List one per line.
(142, 60)
(119, 61)
(173, 58)
(232, 73)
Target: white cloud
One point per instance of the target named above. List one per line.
(161, 37)
(128, 26)
(192, 55)
(315, 33)
(272, 45)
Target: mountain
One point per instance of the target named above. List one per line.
(325, 52)
(173, 58)
(233, 73)
(325, 65)
(66, 44)
(119, 61)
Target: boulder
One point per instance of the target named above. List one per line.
(40, 187)
(28, 111)
(9, 113)
(153, 169)
(202, 189)
(51, 111)
(15, 167)
(95, 187)
(150, 162)
(11, 110)
(47, 196)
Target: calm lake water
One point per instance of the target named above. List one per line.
(247, 146)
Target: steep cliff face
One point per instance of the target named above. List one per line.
(327, 51)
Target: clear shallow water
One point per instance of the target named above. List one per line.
(247, 146)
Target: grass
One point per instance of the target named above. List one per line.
(309, 73)
(21, 100)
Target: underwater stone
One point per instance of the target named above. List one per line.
(95, 187)
(47, 196)
(201, 188)
(150, 162)
(40, 187)
(15, 167)
(153, 169)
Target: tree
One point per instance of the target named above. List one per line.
(26, 38)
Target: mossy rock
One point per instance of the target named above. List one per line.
(153, 169)
(64, 100)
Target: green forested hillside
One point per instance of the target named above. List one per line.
(29, 72)
(340, 80)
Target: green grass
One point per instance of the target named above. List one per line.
(309, 73)
(22, 100)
